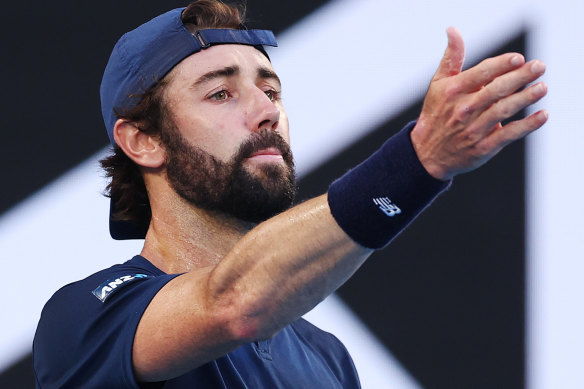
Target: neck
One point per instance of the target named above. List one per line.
(182, 237)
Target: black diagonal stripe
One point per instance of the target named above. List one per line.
(19, 375)
(447, 296)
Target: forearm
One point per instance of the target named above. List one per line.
(283, 268)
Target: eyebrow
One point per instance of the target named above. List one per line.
(227, 71)
(265, 73)
(230, 71)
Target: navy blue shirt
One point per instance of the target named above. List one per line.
(86, 331)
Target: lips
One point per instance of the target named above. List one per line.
(271, 151)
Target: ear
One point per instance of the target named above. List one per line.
(140, 147)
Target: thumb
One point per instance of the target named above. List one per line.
(453, 58)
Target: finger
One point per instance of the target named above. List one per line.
(507, 107)
(517, 129)
(480, 75)
(508, 83)
(453, 58)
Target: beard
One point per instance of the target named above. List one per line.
(228, 187)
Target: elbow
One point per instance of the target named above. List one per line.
(244, 331)
(247, 329)
(247, 325)
(244, 314)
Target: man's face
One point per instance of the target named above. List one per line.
(229, 144)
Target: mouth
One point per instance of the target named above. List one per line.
(268, 154)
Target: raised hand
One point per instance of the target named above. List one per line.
(459, 128)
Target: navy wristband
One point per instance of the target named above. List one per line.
(377, 199)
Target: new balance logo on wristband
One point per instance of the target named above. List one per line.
(387, 206)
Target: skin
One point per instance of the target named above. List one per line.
(459, 128)
(244, 283)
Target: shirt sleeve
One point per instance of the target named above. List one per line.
(85, 335)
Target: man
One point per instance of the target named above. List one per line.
(202, 170)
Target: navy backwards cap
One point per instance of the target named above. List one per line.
(141, 58)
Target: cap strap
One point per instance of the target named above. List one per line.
(214, 36)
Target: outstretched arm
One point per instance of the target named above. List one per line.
(286, 265)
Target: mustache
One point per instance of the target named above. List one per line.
(262, 140)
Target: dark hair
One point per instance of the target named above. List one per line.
(213, 14)
(126, 186)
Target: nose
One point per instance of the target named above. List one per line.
(262, 112)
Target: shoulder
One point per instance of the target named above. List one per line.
(105, 292)
(88, 326)
(104, 283)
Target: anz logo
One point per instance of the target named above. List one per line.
(107, 288)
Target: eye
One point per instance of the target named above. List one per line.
(219, 96)
(272, 94)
